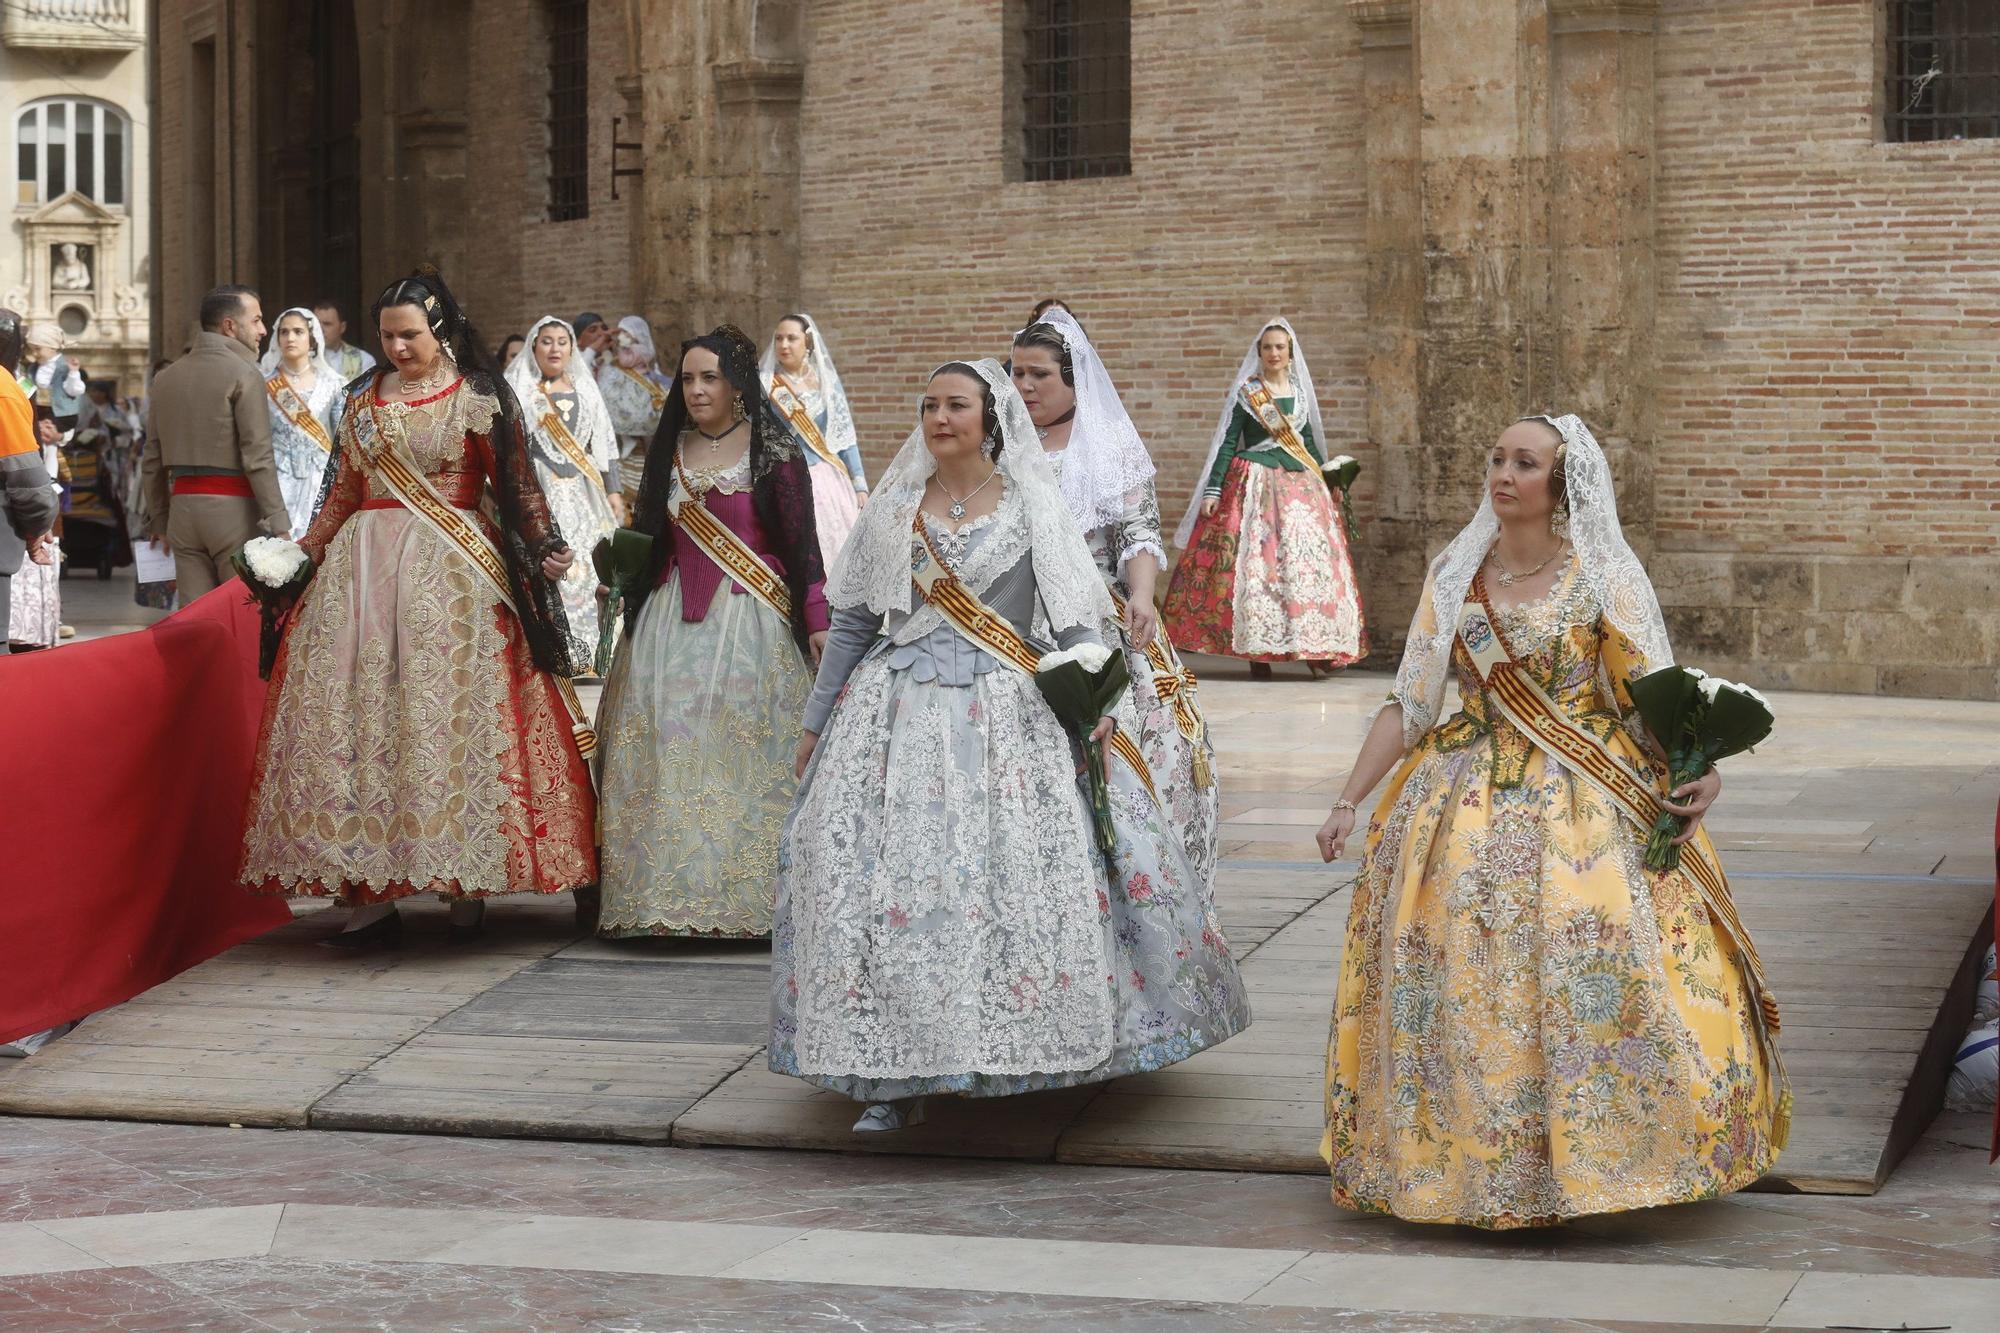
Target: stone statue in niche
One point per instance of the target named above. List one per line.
(71, 271)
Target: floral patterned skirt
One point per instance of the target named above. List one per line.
(835, 508)
(583, 516)
(697, 733)
(1531, 1026)
(1268, 576)
(946, 923)
(34, 610)
(410, 744)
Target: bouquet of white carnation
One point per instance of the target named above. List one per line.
(1699, 719)
(1083, 684)
(275, 571)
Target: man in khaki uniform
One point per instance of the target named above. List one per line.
(211, 483)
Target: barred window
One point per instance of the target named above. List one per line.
(1943, 70)
(569, 110)
(1076, 89)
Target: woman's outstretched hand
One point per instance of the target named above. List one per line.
(557, 562)
(1698, 796)
(808, 742)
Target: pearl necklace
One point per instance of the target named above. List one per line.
(430, 381)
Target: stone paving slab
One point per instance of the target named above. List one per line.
(1840, 839)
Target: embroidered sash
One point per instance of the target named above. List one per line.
(552, 422)
(1257, 397)
(729, 551)
(791, 405)
(1523, 703)
(653, 390)
(1173, 681)
(991, 631)
(422, 499)
(297, 411)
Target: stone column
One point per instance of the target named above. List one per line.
(1601, 207)
(722, 85)
(1392, 556)
(1481, 77)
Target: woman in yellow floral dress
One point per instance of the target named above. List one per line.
(1532, 1026)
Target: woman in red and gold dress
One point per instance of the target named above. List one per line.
(420, 735)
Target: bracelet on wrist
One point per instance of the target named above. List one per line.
(1342, 803)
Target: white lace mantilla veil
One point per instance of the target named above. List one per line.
(1618, 582)
(1106, 466)
(873, 569)
(1302, 387)
(640, 332)
(272, 361)
(839, 416)
(592, 427)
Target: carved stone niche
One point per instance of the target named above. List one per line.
(68, 244)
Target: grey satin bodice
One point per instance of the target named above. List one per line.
(943, 655)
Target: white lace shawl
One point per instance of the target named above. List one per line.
(1616, 579)
(839, 416)
(592, 427)
(1302, 394)
(873, 569)
(1105, 468)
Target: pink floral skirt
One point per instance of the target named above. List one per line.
(1268, 576)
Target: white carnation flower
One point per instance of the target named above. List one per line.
(1091, 657)
(1710, 686)
(1750, 693)
(274, 560)
(1340, 461)
(1696, 672)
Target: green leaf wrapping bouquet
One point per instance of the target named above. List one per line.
(620, 561)
(1340, 472)
(1081, 685)
(276, 572)
(1699, 719)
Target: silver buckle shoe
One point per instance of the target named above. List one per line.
(882, 1117)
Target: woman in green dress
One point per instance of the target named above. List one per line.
(1267, 575)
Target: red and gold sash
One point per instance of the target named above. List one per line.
(791, 404)
(552, 422)
(729, 551)
(297, 411)
(988, 629)
(456, 526)
(1512, 690)
(1257, 397)
(1173, 681)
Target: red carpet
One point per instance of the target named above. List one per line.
(124, 763)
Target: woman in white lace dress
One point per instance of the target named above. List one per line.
(635, 392)
(576, 459)
(304, 394)
(806, 391)
(1106, 477)
(946, 922)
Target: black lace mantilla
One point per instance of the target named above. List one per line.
(780, 488)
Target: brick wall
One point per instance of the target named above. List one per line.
(1246, 200)
(1828, 481)
(519, 264)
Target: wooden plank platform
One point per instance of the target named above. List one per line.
(1842, 845)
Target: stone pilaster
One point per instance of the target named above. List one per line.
(1601, 224)
(721, 85)
(1392, 560)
